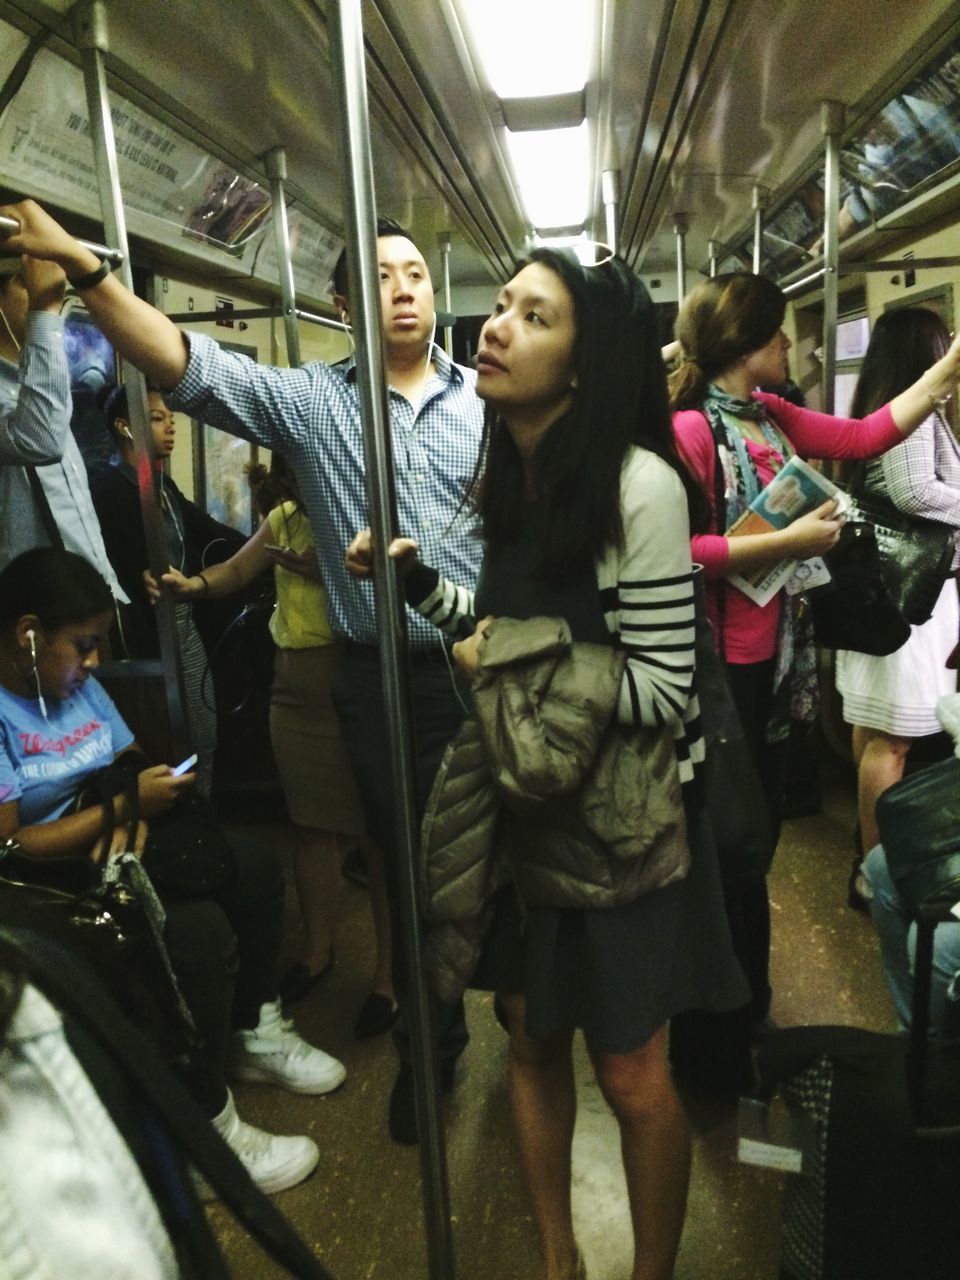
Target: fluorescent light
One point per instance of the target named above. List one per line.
(553, 174)
(529, 48)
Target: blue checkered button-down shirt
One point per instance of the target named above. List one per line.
(312, 416)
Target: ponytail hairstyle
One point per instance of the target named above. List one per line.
(59, 587)
(620, 401)
(274, 485)
(720, 321)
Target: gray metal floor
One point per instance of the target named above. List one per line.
(361, 1209)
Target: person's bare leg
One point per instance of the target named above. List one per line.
(655, 1144)
(543, 1100)
(379, 907)
(880, 761)
(316, 874)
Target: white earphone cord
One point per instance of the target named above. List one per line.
(6, 325)
(36, 675)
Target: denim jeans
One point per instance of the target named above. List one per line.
(897, 942)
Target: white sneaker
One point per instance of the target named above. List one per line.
(275, 1054)
(274, 1162)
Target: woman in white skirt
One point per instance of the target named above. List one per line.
(891, 701)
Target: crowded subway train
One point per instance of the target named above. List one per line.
(362, 914)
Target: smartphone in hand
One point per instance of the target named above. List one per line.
(185, 765)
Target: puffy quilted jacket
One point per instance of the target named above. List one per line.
(543, 787)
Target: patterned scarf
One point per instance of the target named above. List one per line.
(795, 673)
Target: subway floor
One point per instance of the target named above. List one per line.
(361, 1209)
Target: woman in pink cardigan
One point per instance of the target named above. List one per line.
(729, 329)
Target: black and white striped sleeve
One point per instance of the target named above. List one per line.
(653, 595)
(442, 602)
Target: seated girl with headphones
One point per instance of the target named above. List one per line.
(58, 727)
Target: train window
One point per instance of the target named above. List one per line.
(853, 335)
(93, 366)
(913, 136)
(220, 463)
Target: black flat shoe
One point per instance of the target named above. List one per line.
(298, 981)
(377, 1015)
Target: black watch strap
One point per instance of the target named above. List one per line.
(92, 277)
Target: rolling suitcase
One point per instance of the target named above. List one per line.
(879, 1194)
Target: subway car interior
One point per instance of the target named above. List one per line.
(221, 158)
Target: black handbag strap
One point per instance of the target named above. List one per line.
(51, 528)
(858, 479)
(90, 1006)
(720, 512)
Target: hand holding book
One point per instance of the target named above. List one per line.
(803, 510)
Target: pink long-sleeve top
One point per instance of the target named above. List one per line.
(750, 630)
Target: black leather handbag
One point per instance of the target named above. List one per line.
(732, 791)
(915, 554)
(856, 609)
(919, 822)
(109, 923)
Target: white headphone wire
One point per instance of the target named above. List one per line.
(12, 335)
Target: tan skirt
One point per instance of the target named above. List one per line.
(312, 760)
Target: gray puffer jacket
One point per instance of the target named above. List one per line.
(543, 787)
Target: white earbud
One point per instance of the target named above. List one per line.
(344, 317)
(32, 637)
(125, 431)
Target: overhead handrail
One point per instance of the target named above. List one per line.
(806, 282)
(10, 227)
(255, 313)
(868, 268)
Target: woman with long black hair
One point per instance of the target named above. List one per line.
(584, 509)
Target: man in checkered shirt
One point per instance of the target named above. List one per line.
(311, 415)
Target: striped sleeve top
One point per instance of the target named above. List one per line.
(646, 589)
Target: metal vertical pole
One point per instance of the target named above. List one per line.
(444, 243)
(276, 165)
(832, 119)
(760, 202)
(348, 54)
(610, 192)
(90, 29)
(712, 256)
(681, 225)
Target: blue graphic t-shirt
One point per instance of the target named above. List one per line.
(45, 763)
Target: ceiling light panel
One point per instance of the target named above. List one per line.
(553, 174)
(530, 48)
